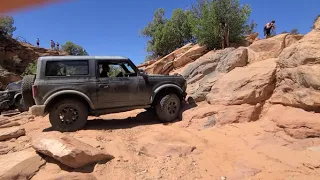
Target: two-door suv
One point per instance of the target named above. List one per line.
(70, 88)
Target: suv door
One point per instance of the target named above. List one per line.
(119, 87)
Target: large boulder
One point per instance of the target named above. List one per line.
(192, 54)
(245, 85)
(236, 58)
(266, 48)
(68, 150)
(295, 122)
(11, 132)
(224, 114)
(157, 67)
(20, 165)
(292, 38)
(298, 76)
(205, 64)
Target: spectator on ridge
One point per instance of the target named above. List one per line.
(52, 44)
(268, 27)
(38, 42)
(57, 46)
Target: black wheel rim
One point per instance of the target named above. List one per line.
(68, 115)
(172, 107)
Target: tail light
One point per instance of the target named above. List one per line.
(34, 91)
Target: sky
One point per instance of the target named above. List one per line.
(104, 27)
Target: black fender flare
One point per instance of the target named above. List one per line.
(65, 92)
(161, 87)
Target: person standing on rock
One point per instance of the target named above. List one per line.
(268, 27)
(52, 44)
(58, 46)
(38, 42)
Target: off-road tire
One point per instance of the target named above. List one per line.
(21, 106)
(77, 108)
(168, 108)
(26, 90)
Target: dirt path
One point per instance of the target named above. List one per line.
(145, 149)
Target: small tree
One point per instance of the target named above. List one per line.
(249, 29)
(74, 49)
(7, 25)
(294, 31)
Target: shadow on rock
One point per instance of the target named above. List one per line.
(85, 169)
(142, 119)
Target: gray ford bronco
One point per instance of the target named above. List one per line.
(71, 88)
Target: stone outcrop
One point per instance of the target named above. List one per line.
(15, 56)
(11, 132)
(295, 121)
(68, 150)
(245, 85)
(20, 165)
(176, 59)
(298, 76)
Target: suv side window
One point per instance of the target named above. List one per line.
(67, 68)
(115, 69)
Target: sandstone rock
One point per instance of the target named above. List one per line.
(236, 58)
(252, 37)
(12, 132)
(266, 48)
(4, 148)
(186, 57)
(157, 67)
(20, 165)
(72, 176)
(9, 124)
(206, 64)
(200, 91)
(298, 79)
(245, 85)
(225, 114)
(292, 38)
(295, 122)
(68, 150)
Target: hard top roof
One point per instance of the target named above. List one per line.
(82, 57)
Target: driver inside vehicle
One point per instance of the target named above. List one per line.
(105, 70)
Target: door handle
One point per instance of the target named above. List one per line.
(103, 86)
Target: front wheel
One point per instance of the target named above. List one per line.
(168, 108)
(68, 115)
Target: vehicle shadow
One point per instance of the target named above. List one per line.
(142, 119)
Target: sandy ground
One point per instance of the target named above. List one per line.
(145, 149)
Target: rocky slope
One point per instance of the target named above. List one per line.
(15, 57)
(252, 113)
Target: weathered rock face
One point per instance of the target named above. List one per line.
(225, 114)
(68, 150)
(245, 85)
(157, 66)
(11, 132)
(291, 39)
(15, 57)
(194, 53)
(266, 48)
(176, 59)
(298, 76)
(20, 165)
(295, 122)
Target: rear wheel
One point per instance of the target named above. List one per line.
(68, 115)
(168, 108)
(26, 90)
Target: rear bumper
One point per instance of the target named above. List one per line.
(37, 110)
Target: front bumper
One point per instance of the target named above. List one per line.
(37, 110)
